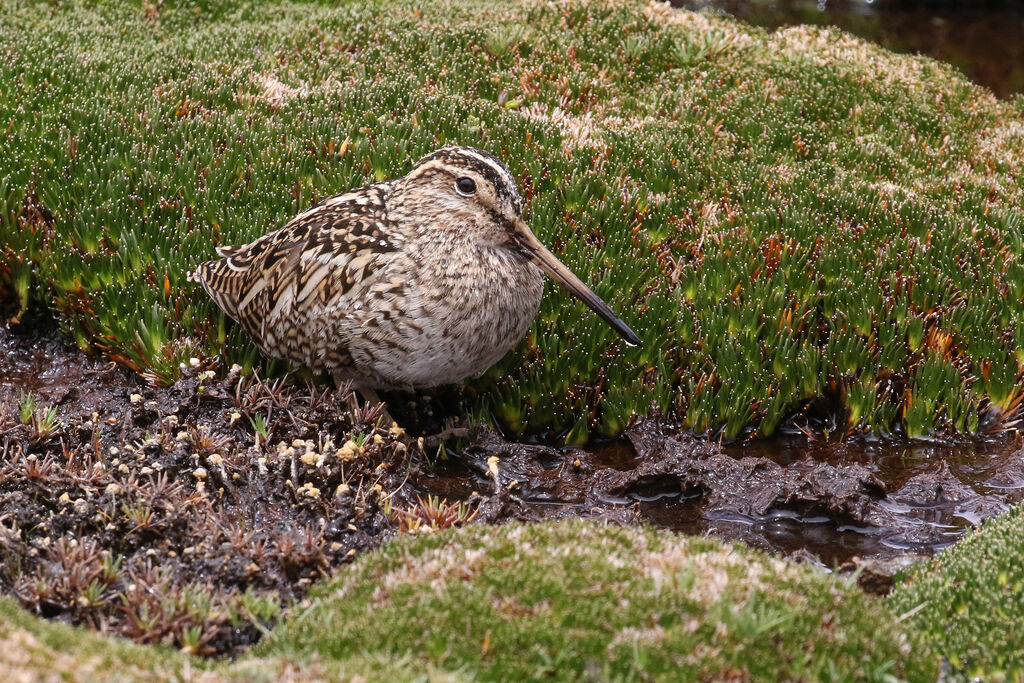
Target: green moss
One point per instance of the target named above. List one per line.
(33, 649)
(561, 601)
(780, 216)
(572, 600)
(968, 602)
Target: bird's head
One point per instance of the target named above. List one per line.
(464, 188)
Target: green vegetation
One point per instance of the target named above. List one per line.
(572, 600)
(562, 601)
(968, 602)
(35, 650)
(780, 216)
(42, 421)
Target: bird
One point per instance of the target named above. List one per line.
(405, 284)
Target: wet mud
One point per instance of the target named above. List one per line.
(191, 515)
(825, 503)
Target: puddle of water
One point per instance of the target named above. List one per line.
(983, 38)
(618, 455)
(780, 531)
(973, 462)
(885, 499)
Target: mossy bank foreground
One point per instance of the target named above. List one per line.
(568, 600)
(783, 217)
(559, 602)
(806, 231)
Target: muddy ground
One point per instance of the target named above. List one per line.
(192, 514)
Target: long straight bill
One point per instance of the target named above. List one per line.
(558, 272)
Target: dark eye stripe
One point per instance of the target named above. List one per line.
(500, 182)
(490, 168)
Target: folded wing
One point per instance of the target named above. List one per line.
(287, 287)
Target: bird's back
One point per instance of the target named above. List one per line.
(290, 288)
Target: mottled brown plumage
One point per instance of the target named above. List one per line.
(405, 284)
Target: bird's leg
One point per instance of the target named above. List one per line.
(435, 440)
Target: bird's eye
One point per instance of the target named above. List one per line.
(465, 186)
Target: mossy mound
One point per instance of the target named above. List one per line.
(36, 650)
(572, 600)
(561, 601)
(32, 649)
(782, 217)
(968, 602)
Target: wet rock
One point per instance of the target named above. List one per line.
(1008, 475)
(751, 485)
(875, 575)
(979, 509)
(935, 487)
(940, 489)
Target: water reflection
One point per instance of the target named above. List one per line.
(984, 39)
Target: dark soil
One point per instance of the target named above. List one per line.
(151, 512)
(160, 514)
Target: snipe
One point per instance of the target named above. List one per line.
(404, 284)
